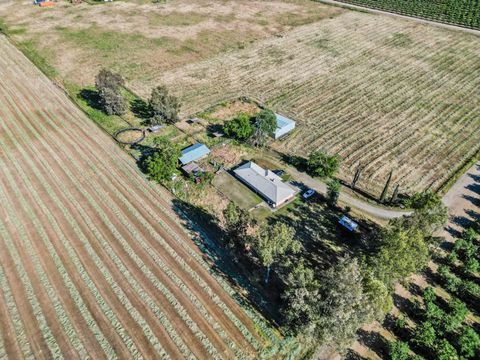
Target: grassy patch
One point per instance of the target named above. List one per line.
(400, 40)
(84, 98)
(236, 191)
(29, 48)
(177, 19)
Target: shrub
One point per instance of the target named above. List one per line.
(164, 107)
(108, 85)
(239, 128)
(468, 343)
(398, 350)
(323, 165)
(162, 163)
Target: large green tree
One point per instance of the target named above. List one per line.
(343, 305)
(333, 192)
(321, 164)
(239, 128)
(164, 107)
(109, 85)
(238, 224)
(430, 214)
(265, 125)
(162, 163)
(273, 242)
(401, 252)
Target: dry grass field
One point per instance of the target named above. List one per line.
(94, 263)
(387, 94)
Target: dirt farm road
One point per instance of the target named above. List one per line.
(361, 205)
(460, 199)
(418, 19)
(463, 201)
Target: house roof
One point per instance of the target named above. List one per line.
(283, 121)
(265, 182)
(192, 167)
(348, 223)
(193, 153)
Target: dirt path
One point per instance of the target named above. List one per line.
(358, 204)
(421, 20)
(463, 202)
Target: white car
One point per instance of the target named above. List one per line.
(308, 193)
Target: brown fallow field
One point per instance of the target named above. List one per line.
(93, 261)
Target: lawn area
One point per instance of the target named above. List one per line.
(236, 191)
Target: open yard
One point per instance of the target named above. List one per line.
(94, 263)
(236, 191)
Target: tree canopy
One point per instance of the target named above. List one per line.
(162, 163)
(321, 164)
(164, 107)
(108, 85)
(274, 241)
(401, 252)
(265, 125)
(240, 128)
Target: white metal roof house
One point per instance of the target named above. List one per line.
(194, 152)
(284, 126)
(266, 183)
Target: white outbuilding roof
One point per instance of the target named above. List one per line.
(265, 182)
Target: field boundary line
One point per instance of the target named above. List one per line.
(420, 19)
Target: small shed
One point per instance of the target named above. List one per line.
(284, 126)
(192, 168)
(193, 153)
(155, 128)
(348, 223)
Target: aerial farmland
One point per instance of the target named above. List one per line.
(88, 275)
(385, 94)
(240, 179)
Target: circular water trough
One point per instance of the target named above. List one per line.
(129, 136)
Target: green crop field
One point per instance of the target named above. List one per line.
(459, 12)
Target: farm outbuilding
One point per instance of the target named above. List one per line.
(284, 126)
(193, 153)
(265, 183)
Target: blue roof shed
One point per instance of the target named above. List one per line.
(194, 152)
(284, 126)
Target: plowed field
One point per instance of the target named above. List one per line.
(93, 261)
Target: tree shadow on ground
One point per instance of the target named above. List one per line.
(214, 128)
(353, 355)
(92, 97)
(323, 239)
(390, 324)
(209, 241)
(374, 341)
(406, 306)
(140, 109)
(474, 200)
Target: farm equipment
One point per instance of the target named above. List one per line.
(44, 3)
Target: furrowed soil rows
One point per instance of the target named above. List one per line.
(94, 262)
(389, 94)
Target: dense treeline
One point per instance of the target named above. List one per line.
(460, 12)
(328, 305)
(444, 328)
